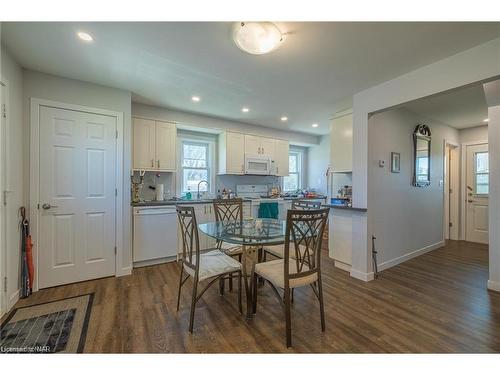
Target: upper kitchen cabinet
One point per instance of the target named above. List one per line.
(231, 153)
(341, 144)
(255, 145)
(154, 145)
(281, 158)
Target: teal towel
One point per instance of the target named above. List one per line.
(269, 210)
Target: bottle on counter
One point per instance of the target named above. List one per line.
(188, 194)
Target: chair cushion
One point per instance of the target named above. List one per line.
(231, 248)
(279, 250)
(214, 263)
(274, 271)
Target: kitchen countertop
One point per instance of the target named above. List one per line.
(205, 201)
(344, 207)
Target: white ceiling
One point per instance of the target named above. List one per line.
(313, 74)
(462, 108)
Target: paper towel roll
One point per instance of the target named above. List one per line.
(159, 192)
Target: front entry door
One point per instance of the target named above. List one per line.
(477, 189)
(77, 196)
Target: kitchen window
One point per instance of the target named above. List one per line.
(294, 180)
(196, 161)
(481, 173)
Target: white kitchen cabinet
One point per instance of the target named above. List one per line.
(154, 145)
(341, 144)
(252, 144)
(144, 144)
(267, 147)
(247, 209)
(281, 158)
(231, 153)
(255, 145)
(165, 134)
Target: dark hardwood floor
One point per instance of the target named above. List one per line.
(437, 302)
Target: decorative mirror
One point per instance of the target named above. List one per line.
(422, 155)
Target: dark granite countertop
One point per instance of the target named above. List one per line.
(174, 202)
(340, 207)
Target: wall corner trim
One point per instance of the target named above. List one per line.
(494, 285)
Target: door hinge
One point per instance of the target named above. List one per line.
(4, 111)
(450, 224)
(115, 250)
(5, 284)
(117, 134)
(116, 192)
(4, 198)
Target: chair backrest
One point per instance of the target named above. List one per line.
(190, 240)
(298, 204)
(303, 238)
(228, 209)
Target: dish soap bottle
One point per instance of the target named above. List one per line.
(188, 194)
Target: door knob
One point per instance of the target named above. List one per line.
(470, 200)
(48, 206)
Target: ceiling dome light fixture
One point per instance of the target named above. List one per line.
(86, 37)
(486, 120)
(195, 98)
(245, 109)
(284, 118)
(257, 38)
(314, 125)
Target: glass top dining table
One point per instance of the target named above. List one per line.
(249, 232)
(251, 235)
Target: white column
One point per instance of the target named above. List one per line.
(492, 91)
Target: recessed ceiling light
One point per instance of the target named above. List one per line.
(195, 98)
(284, 118)
(245, 109)
(314, 125)
(257, 38)
(486, 120)
(86, 37)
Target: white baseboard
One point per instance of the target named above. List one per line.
(124, 271)
(14, 297)
(360, 275)
(494, 285)
(153, 262)
(343, 266)
(413, 254)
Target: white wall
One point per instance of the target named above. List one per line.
(492, 91)
(16, 147)
(471, 66)
(201, 121)
(318, 159)
(49, 87)
(476, 134)
(405, 219)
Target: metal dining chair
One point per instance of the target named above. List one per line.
(297, 204)
(303, 237)
(210, 265)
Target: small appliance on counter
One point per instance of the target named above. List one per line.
(344, 196)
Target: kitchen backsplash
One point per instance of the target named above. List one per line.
(230, 181)
(153, 178)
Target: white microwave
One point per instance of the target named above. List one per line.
(258, 164)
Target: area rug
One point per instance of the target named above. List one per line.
(53, 327)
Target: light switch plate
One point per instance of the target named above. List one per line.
(381, 163)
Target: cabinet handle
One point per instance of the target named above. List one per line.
(262, 150)
(152, 163)
(158, 164)
(258, 152)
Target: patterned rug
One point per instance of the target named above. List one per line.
(52, 327)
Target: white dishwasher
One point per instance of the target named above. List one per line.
(155, 235)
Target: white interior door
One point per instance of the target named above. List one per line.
(3, 231)
(477, 189)
(77, 196)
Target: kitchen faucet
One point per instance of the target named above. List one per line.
(198, 196)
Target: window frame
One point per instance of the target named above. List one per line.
(301, 155)
(196, 139)
(476, 173)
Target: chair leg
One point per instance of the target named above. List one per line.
(321, 304)
(180, 287)
(221, 286)
(288, 319)
(240, 306)
(231, 282)
(193, 304)
(291, 291)
(254, 293)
